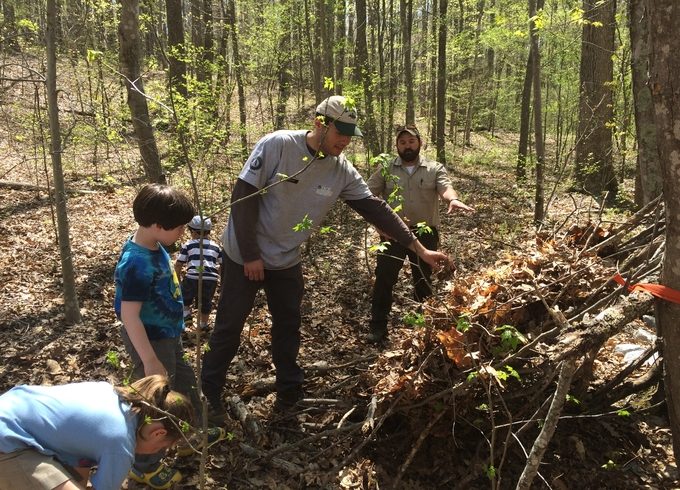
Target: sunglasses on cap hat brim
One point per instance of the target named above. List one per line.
(347, 129)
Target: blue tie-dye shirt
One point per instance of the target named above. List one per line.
(148, 276)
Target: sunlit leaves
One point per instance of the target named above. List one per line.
(303, 225)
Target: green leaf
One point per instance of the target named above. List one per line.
(463, 324)
(303, 225)
(93, 55)
(379, 247)
(572, 399)
(513, 372)
(422, 229)
(623, 413)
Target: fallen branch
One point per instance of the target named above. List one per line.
(548, 429)
(21, 186)
(279, 463)
(243, 415)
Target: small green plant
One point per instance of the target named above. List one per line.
(490, 472)
(303, 225)
(513, 372)
(379, 247)
(422, 229)
(112, 359)
(609, 465)
(572, 399)
(414, 319)
(623, 413)
(510, 337)
(463, 324)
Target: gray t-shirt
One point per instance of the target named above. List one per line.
(310, 193)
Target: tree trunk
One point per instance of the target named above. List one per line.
(649, 179)
(538, 115)
(9, 41)
(365, 74)
(177, 71)
(664, 73)
(71, 308)
(524, 118)
(208, 53)
(441, 83)
(340, 44)
(238, 71)
(284, 74)
(594, 171)
(130, 61)
(406, 9)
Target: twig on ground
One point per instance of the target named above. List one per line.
(548, 429)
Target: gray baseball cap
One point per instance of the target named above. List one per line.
(335, 110)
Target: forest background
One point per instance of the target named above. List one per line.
(555, 118)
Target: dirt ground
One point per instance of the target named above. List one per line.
(308, 449)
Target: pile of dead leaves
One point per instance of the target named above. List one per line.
(491, 313)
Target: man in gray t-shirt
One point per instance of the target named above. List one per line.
(291, 177)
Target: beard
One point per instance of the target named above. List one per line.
(409, 154)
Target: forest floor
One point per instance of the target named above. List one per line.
(307, 449)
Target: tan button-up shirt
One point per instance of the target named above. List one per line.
(420, 191)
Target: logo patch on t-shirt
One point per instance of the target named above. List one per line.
(256, 164)
(323, 190)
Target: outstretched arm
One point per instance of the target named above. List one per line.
(451, 196)
(433, 258)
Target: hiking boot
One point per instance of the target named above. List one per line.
(215, 435)
(287, 400)
(217, 413)
(163, 477)
(376, 335)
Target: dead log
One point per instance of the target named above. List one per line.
(279, 463)
(22, 186)
(548, 429)
(243, 415)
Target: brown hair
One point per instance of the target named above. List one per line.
(162, 205)
(152, 400)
